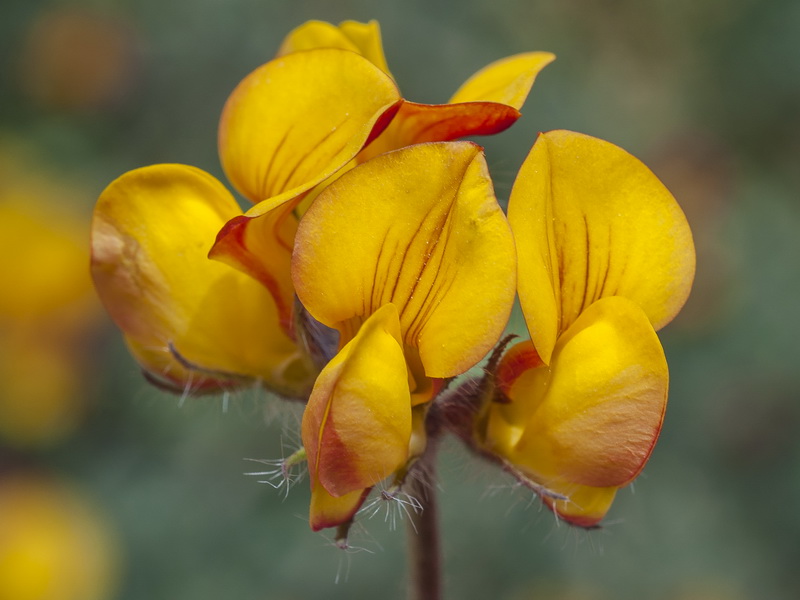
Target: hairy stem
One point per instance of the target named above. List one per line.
(424, 546)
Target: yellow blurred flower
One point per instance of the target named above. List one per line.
(54, 545)
(47, 309)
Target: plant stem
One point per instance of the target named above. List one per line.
(424, 546)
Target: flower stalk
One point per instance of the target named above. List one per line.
(423, 529)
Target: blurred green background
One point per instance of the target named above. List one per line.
(706, 92)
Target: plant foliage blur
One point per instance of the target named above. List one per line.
(705, 93)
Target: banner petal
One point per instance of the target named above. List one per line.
(298, 119)
(591, 221)
(363, 38)
(419, 228)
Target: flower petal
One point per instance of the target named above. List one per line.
(418, 123)
(367, 37)
(262, 248)
(363, 38)
(487, 103)
(329, 511)
(190, 321)
(298, 119)
(586, 506)
(593, 415)
(591, 221)
(357, 424)
(420, 228)
(506, 81)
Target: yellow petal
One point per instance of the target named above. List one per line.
(357, 424)
(581, 505)
(419, 434)
(594, 414)
(486, 104)
(185, 317)
(367, 38)
(519, 358)
(330, 511)
(507, 419)
(420, 228)
(585, 507)
(313, 35)
(506, 81)
(262, 248)
(298, 119)
(591, 221)
(363, 38)
(418, 123)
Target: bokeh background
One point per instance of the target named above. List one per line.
(127, 493)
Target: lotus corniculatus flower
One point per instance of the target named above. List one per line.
(376, 265)
(605, 259)
(201, 325)
(487, 103)
(411, 259)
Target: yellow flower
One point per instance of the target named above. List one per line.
(487, 103)
(361, 38)
(605, 258)
(408, 255)
(201, 325)
(370, 221)
(53, 544)
(412, 260)
(47, 309)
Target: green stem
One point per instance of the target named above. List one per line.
(424, 546)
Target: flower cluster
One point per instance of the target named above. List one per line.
(376, 264)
